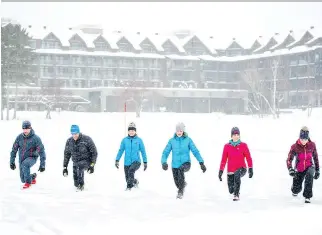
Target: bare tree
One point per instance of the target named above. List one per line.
(252, 78)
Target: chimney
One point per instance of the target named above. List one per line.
(138, 33)
(312, 27)
(45, 27)
(211, 37)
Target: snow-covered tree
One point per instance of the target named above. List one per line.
(16, 56)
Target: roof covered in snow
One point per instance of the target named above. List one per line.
(214, 43)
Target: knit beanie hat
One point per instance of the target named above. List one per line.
(235, 130)
(131, 126)
(26, 125)
(304, 133)
(181, 127)
(74, 129)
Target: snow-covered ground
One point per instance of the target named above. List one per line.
(52, 207)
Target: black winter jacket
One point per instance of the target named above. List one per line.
(81, 149)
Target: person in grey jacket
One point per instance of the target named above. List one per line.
(83, 152)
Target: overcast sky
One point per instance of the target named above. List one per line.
(239, 18)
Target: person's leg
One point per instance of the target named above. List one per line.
(308, 183)
(25, 168)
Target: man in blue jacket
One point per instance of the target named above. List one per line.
(181, 145)
(132, 145)
(30, 148)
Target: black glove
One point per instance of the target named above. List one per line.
(117, 165)
(90, 169)
(317, 174)
(220, 175)
(203, 167)
(291, 171)
(250, 172)
(165, 166)
(65, 172)
(145, 166)
(13, 166)
(41, 169)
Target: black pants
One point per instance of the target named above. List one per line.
(178, 175)
(234, 181)
(298, 179)
(78, 172)
(129, 173)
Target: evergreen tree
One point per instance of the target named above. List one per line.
(16, 60)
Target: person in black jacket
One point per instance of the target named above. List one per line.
(83, 152)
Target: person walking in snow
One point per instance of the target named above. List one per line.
(30, 148)
(181, 145)
(81, 148)
(235, 152)
(305, 152)
(133, 146)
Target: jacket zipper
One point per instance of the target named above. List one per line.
(131, 153)
(24, 149)
(304, 157)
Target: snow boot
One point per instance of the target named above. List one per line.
(236, 198)
(180, 194)
(307, 200)
(33, 177)
(294, 194)
(136, 184)
(26, 185)
(80, 188)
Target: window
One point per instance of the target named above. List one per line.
(147, 47)
(124, 45)
(77, 45)
(101, 46)
(169, 48)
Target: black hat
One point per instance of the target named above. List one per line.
(304, 133)
(235, 130)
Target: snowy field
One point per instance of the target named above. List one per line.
(52, 207)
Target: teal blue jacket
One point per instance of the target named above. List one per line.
(132, 147)
(180, 147)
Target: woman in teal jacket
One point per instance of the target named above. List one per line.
(181, 145)
(132, 145)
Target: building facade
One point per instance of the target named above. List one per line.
(189, 74)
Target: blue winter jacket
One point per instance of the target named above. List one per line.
(132, 146)
(28, 146)
(180, 147)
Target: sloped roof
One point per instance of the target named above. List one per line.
(157, 41)
(134, 39)
(214, 43)
(298, 35)
(317, 34)
(112, 39)
(279, 39)
(88, 38)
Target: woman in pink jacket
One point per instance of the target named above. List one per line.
(235, 152)
(305, 152)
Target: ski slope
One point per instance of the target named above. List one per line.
(52, 207)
